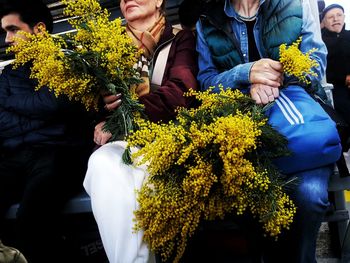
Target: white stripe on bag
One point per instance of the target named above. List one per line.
(289, 109)
(293, 107)
(284, 112)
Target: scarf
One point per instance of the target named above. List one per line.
(147, 41)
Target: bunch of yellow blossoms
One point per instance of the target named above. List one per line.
(97, 34)
(49, 66)
(296, 63)
(97, 58)
(212, 161)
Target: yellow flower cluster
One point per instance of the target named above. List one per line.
(296, 63)
(97, 34)
(204, 166)
(49, 67)
(167, 146)
(83, 10)
(99, 57)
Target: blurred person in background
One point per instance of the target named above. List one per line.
(337, 40)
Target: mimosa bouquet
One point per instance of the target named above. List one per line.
(212, 161)
(96, 59)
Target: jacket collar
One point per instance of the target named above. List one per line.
(167, 34)
(329, 33)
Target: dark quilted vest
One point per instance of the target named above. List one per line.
(282, 23)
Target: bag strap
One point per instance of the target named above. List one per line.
(159, 67)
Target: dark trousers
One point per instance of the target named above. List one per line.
(341, 96)
(41, 180)
(298, 245)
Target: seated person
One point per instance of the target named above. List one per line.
(111, 183)
(45, 142)
(238, 43)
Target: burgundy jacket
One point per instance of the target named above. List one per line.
(179, 76)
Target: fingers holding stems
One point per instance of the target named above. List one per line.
(112, 101)
(101, 137)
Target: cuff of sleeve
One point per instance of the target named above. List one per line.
(244, 72)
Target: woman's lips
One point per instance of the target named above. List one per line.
(130, 6)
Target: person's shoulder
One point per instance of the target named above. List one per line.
(176, 34)
(326, 34)
(176, 29)
(10, 70)
(185, 38)
(183, 33)
(6, 63)
(347, 34)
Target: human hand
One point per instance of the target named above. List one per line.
(267, 72)
(263, 94)
(347, 81)
(101, 137)
(112, 101)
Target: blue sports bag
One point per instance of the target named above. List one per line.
(312, 135)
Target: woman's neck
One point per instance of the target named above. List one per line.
(144, 24)
(246, 8)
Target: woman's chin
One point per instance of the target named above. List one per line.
(132, 16)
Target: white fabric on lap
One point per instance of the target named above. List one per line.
(111, 185)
